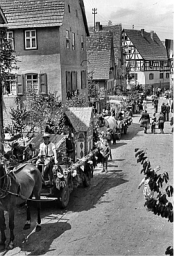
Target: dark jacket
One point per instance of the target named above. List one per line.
(145, 116)
(172, 108)
(163, 108)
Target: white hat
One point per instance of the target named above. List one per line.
(46, 135)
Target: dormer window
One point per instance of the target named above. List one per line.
(30, 40)
(69, 10)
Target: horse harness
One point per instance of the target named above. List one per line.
(8, 176)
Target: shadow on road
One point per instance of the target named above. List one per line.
(132, 131)
(39, 243)
(83, 199)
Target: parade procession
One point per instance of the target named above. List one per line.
(86, 121)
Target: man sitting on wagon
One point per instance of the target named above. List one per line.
(47, 156)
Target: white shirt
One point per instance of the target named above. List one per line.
(47, 150)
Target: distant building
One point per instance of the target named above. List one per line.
(101, 63)
(49, 39)
(169, 48)
(145, 59)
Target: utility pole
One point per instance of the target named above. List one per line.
(1, 102)
(94, 12)
(1, 120)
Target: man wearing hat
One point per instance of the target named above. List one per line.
(47, 156)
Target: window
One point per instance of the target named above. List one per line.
(74, 81)
(10, 85)
(161, 64)
(83, 79)
(69, 10)
(82, 42)
(68, 84)
(161, 75)
(167, 75)
(151, 76)
(10, 39)
(32, 83)
(73, 41)
(30, 39)
(67, 39)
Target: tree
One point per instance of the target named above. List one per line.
(45, 112)
(7, 63)
(160, 205)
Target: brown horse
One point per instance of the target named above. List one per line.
(16, 187)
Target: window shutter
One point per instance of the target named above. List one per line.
(20, 84)
(74, 80)
(83, 79)
(68, 81)
(43, 84)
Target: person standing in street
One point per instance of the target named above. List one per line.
(156, 105)
(161, 122)
(144, 105)
(163, 110)
(153, 123)
(172, 106)
(167, 111)
(145, 120)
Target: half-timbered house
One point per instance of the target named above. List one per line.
(169, 48)
(145, 59)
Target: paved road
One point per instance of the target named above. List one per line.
(108, 218)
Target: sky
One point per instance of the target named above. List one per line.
(151, 15)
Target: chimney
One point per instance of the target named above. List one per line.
(142, 32)
(152, 34)
(97, 26)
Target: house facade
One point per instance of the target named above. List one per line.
(101, 65)
(49, 40)
(169, 48)
(145, 60)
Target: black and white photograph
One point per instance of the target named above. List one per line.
(86, 127)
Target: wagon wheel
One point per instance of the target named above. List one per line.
(64, 197)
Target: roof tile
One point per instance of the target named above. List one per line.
(33, 13)
(150, 49)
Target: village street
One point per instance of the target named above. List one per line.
(108, 218)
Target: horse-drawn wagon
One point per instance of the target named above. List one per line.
(67, 175)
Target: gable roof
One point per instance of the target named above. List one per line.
(99, 64)
(33, 13)
(80, 118)
(149, 49)
(99, 46)
(117, 35)
(36, 13)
